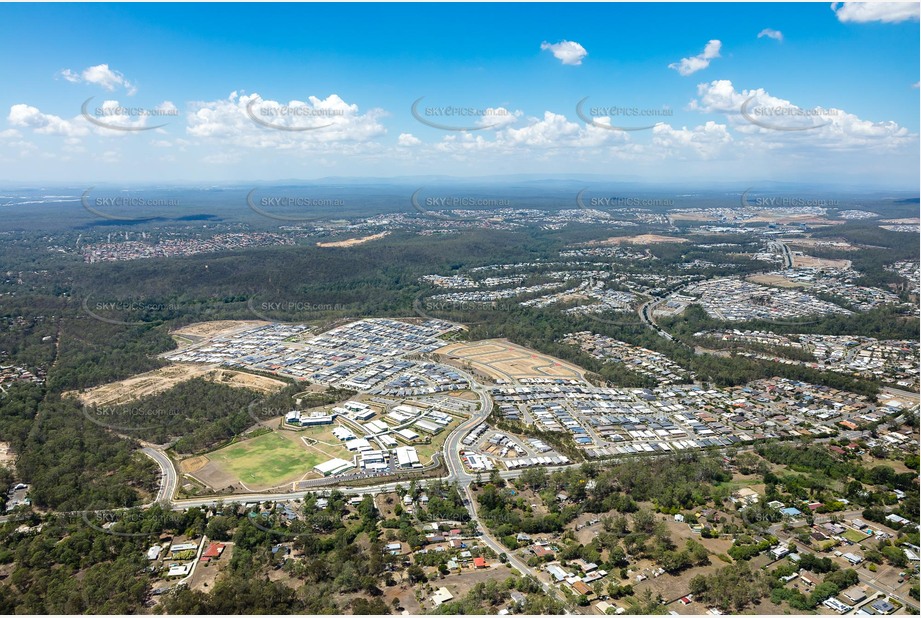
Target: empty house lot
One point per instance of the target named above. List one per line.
(504, 360)
(165, 378)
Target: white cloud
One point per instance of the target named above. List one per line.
(27, 116)
(497, 117)
(567, 52)
(167, 107)
(783, 122)
(701, 61)
(705, 141)
(886, 12)
(540, 136)
(770, 33)
(100, 75)
(408, 139)
(113, 114)
(247, 121)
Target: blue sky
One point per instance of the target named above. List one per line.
(717, 92)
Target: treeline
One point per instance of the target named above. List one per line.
(28, 330)
(508, 515)
(69, 461)
(202, 414)
(93, 352)
(797, 354)
(71, 464)
(819, 472)
(670, 483)
(883, 323)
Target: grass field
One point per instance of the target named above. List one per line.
(855, 536)
(267, 460)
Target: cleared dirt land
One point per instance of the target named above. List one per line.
(206, 330)
(642, 239)
(6, 455)
(351, 242)
(504, 360)
(776, 281)
(165, 378)
(838, 244)
(808, 261)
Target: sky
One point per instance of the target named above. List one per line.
(696, 93)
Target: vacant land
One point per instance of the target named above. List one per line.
(206, 573)
(351, 242)
(215, 328)
(808, 261)
(459, 584)
(777, 281)
(504, 360)
(837, 244)
(642, 239)
(7, 456)
(165, 378)
(855, 536)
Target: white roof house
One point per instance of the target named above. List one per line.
(179, 570)
(407, 434)
(333, 466)
(359, 444)
(407, 457)
(442, 595)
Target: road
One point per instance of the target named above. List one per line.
(169, 480)
(784, 252)
(900, 393)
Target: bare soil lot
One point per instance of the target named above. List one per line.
(351, 242)
(776, 281)
(165, 378)
(505, 360)
(215, 328)
(206, 573)
(641, 239)
(808, 261)
(459, 584)
(6, 455)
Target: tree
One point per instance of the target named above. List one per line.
(416, 574)
(646, 604)
(361, 606)
(644, 521)
(218, 528)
